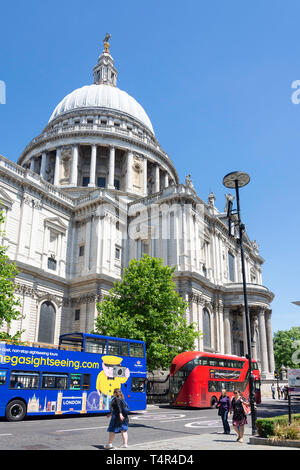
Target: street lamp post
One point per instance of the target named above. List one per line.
(237, 180)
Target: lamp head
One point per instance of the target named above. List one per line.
(241, 178)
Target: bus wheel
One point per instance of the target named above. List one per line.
(15, 410)
(213, 402)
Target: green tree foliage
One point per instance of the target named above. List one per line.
(287, 348)
(9, 305)
(144, 305)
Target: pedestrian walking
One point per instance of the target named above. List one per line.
(239, 418)
(273, 389)
(118, 420)
(224, 406)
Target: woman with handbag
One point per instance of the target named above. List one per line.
(224, 406)
(239, 407)
(118, 421)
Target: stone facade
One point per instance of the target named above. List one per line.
(94, 190)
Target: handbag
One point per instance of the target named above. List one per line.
(246, 408)
(125, 409)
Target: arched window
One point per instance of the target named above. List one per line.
(47, 323)
(206, 329)
(231, 267)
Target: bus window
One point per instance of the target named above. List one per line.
(86, 382)
(213, 362)
(3, 377)
(95, 345)
(23, 379)
(55, 381)
(138, 384)
(118, 348)
(136, 350)
(123, 348)
(78, 381)
(75, 381)
(71, 342)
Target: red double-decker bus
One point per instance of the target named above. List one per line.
(197, 378)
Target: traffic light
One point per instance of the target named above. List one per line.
(276, 374)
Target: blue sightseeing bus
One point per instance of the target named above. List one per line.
(78, 376)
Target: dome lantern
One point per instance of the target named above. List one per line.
(104, 71)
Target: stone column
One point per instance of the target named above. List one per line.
(242, 310)
(32, 164)
(227, 330)
(221, 327)
(270, 342)
(111, 169)
(145, 175)
(166, 180)
(156, 179)
(129, 171)
(93, 164)
(43, 165)
(74, 166)
(263, 343)
(57, 167)
(253, 323)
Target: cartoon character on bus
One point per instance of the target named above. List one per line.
(111, 377)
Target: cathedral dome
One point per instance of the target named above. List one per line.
(102, 96)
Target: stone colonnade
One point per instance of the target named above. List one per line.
(260, 333)
(224, 330)
(40, 163)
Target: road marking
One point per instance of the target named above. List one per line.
(203, 424)
(82, 429)
(159, 416)
(185, 419)
(5, 435)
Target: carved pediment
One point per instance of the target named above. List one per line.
(5, 199)
(55, 223)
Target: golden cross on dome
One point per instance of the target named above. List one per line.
(106, 42)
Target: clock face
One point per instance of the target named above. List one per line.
(230, 179)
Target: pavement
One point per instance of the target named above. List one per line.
(209, 441)
(213, 441)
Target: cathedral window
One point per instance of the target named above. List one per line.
(206, 329)
(47, 323)
(101, 182)
(118, 252)
(77, 314)
(52, 263)
(85, 180)
(231, 266)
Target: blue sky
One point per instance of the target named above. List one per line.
(215, 79)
